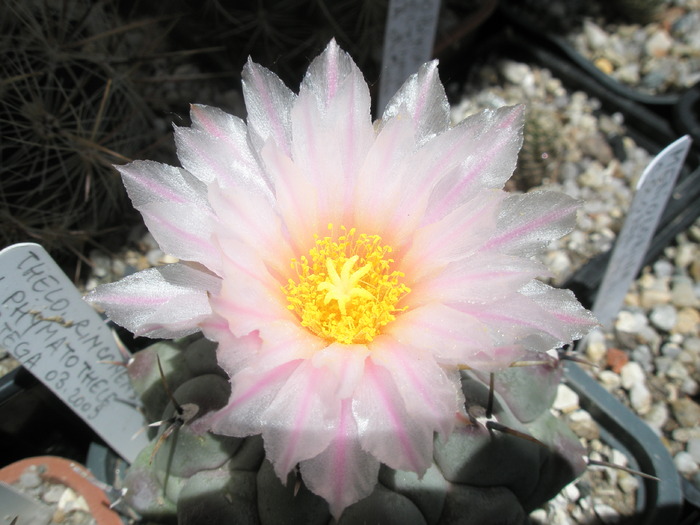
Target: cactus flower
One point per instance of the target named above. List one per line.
(347, 269)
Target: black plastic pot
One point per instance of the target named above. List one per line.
(658, 502)
(520, 17)
(686, 114)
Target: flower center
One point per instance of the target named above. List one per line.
(346, 290)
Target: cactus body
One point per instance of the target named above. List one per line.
(479, 476)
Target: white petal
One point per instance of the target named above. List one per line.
(333, 102)
(387, 429)
(452, 337)
(343, 473)
(168, 301)
(480, 152)
(429, 390)
(457, 235)
(216, 148)
(269, 103)
(148, 181)
(530, 221)
(184, 230)
(422, 97)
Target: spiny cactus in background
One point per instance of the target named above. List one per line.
(65, 111)
(283, 34)
(640, 11)
(480, 475)
(541, 144)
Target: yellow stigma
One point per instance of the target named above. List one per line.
(347, 289)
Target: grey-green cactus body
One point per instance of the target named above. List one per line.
(478, 476)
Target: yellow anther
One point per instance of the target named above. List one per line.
(347, 306)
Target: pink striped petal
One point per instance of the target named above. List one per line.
(387, 430)
(248, 219)
(333, 101)
(478, 153)
(452, 337)
(235, 353)
(225, 157)
(530, 221)
(346, 363)
(168, 301)
(422, 97)
(252, 392)
(343, 473)
(457, 235)
(269, 103)
(563, 306)
(299, 423)
(283, 347)
(148, 182)
(482, 278)
(297, 199)
(428, 389)
(185, 231)
(544, 312)
(250, 295)
(381, 183)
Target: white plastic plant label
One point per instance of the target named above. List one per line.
(653, 190)
(409, 38)
(59, 338)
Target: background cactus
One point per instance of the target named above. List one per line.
(480, 474)
(65, 112)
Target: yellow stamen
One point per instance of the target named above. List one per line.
(339, 303)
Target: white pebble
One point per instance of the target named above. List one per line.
(566, 400)
(685, 463)
(627, 483)
(640, 398)
(609, 379)
(664, 317)
(693, 448)
(631, 374)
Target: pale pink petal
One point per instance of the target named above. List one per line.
(452, 337)
(148, 181)
(544, 312)
(430, 391)
(247, 219)
(184, 230)
(346, 363)
(297, 199)
(422, 97)
(381, 185)
(299, 423)
(333, 101)
(563, 306)
(457, 235)
(269, 103)
(168, 301)
(216, 148)
(235, 353)
(284, 341)
(283, 347)
(387, 429)
(250, 296)
(343, 473)
(478, 153)
(482, 278)
(252, 392)
(530, 221)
